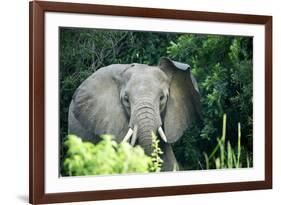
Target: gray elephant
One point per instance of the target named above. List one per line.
(130, 101)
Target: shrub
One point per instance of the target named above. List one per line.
(108, 157)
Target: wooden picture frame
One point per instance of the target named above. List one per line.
(37, 10)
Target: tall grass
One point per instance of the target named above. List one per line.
(224, 155)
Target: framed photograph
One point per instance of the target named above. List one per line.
(138, 102)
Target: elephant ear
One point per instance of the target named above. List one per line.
(97, 106)
(183, 106)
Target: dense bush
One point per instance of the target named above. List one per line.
(108, 157)
(222, 66)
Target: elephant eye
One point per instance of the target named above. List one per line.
(162, 102)
(126, 98)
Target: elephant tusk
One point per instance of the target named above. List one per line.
(134, 138)
(128, 135)
(162, 134)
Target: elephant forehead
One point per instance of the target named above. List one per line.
(148, 74)
(145, 81)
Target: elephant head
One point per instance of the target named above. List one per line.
(130, 101)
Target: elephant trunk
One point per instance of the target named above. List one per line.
(144, 136)
(147, 120)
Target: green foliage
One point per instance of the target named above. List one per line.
(222, 157)
(108, 157)
(222, 66)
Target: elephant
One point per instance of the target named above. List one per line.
(130, 101)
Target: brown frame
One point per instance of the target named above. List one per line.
(37, 95)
